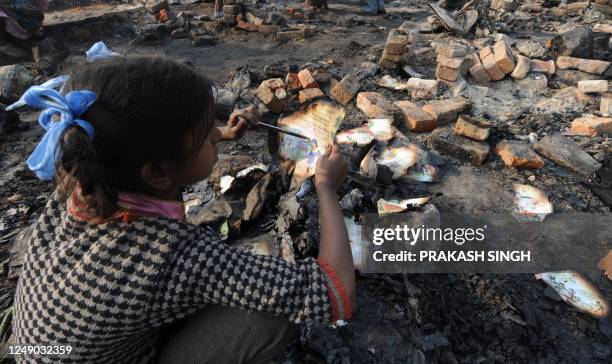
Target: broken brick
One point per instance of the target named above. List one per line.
(484, 52)
(447, 143)
(310, 94)
(477, 70)
(307, 80)
(503, 56)
(492, 68)
(280, 93)
(454, 50)
(537, 65)
(397, 42)
(471, 128)
(293, 82)
(245, 25)
(253, 19)
(446, 111)
(523, 64)
(593, 86)
(375, 106)
(421, 89)
(518, 155)
(395, 58)
(415, 118)
(268, 97)
(274, 83)
(446, 73)
(291, 34)
(346, 89)
(591, 125)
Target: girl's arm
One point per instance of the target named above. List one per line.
(334, 246)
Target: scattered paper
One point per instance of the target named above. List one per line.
(577, 291)
(531, 202)
(375, 129)
(408, 163)
(225, 182)
(393, 206)
(319, 121)
(358, 243)
(392, 83)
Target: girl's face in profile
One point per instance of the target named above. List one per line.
(202, 165)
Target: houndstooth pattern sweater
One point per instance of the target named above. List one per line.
(106, 289)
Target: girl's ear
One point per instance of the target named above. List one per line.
(156, 176)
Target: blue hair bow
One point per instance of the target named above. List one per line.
(60, 112)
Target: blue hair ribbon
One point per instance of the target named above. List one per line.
(59, 113)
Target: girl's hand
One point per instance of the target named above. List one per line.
(239, 121)
(331, 169)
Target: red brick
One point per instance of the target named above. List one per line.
(446, 111)
(446, 73)
(605, 107)
(537, 65)
(396, 42)
(415, 118)
(274, 83)
(307, 80)
(471, 128)
(346, 89)
(453, 50)
(593, 86)
(375, 106)
(492, 68)
(269, 99)
(390, 57)
(503, 57)
(591, 125)
(485, 52)
(518, 155)
(310, 94)
(584, 65)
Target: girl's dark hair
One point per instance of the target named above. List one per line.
(145, 108)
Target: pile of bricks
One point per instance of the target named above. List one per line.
(238, 15)
(276, 93)
(398, 43)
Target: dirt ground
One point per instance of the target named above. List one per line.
(412, 318)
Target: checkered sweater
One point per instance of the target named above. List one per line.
(106, 289)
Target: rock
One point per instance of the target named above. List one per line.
(256, 198)
(346, 89)
(229, 19)
(307, 79)
(214, 213)
(14, 81)
(591, 125)
(225, 100)
(522, 68)
(446, 111)
(471, 128)
(501, 5)
(536, 65)
(593, 86)
(577, 42)
(531, 48)
(375, 105)
(310, 94)
(445, 142)
(203, 40)
(602, 28)
(518, 155)
(584, 65)
(564, 152)
(268, 97)
(415, 118)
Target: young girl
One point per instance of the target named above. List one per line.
(114, 273)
